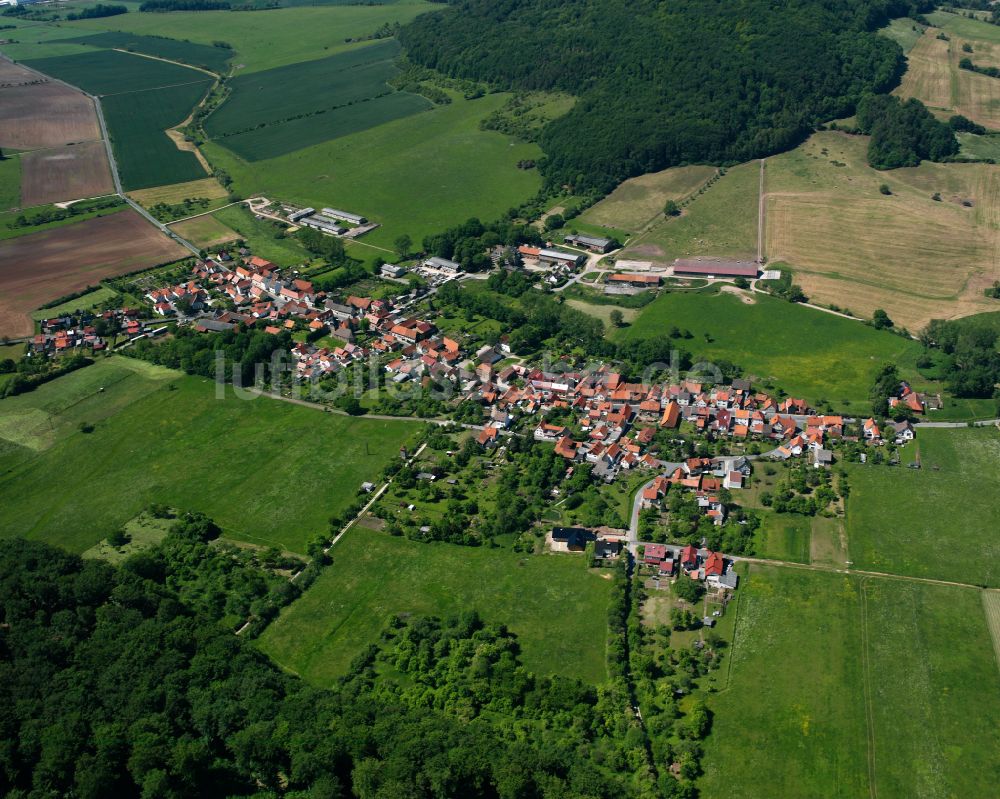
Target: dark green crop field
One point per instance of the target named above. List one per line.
(136, 121)
(106, 72)
(215, 59)
(275, 140)
(281, 94)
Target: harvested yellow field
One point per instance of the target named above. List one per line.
(638, 201)
(850, 245)
(205, 231)
(209, 188)
(934, 77)
(991, 606)
(928, 74)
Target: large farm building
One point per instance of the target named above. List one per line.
(715, 267)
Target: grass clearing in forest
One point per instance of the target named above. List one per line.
(267, 471)
(553, 603)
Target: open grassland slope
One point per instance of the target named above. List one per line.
(939, 521)
(721, 222)
(41, 267)
(934, 76)
(416, 175)
(639, 201)
(808, 353)
(848, 244)
(857, 688)
(374, 577)
(267, 471)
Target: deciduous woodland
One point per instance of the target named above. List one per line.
(662, 84)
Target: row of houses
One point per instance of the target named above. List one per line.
(697, 564)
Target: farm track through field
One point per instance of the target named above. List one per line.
(991, 606)
(867, 684)
(167, 61)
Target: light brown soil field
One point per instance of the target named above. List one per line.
(913, 256)
(208, 188)
(928, 74)
(39, 115)
(39, 268)
(74, 172)
(205, 231)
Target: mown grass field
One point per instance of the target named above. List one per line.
(640, 200)
(817, 667)
(939, 521)
(204, 231)
(934, 76)
(271, 38)
(267, 471)
(136, 122)
(279, 94)
(783, 536)
(214, 59)
(417, 175)
(850, 245)
(209, 188)
(84, 302)
(553, 603)
(284, 251)
(721, 222)
(808, 353)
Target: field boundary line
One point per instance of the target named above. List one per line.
(168, 61)
(156, 88)
(761, 204)
(866, 684)
(991, 607)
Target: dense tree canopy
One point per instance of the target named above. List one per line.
(903, 133)
(666, 83)
(114, 684)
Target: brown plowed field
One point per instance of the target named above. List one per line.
(42, 267)
(36, 114)
(73, 172)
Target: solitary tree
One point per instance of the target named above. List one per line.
(617, 318)
(671, 208)
(881, 320)
(403, 245)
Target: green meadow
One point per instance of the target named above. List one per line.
(268, 38)
(267, 471)
(418, 175)
(939, 521)
(837, 683)
(806, 352)
(555, 605)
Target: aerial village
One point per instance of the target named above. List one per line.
(606, 422)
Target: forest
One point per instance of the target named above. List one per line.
(121, 681)
(661, 84)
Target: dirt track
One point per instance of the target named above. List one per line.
(41, 267)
